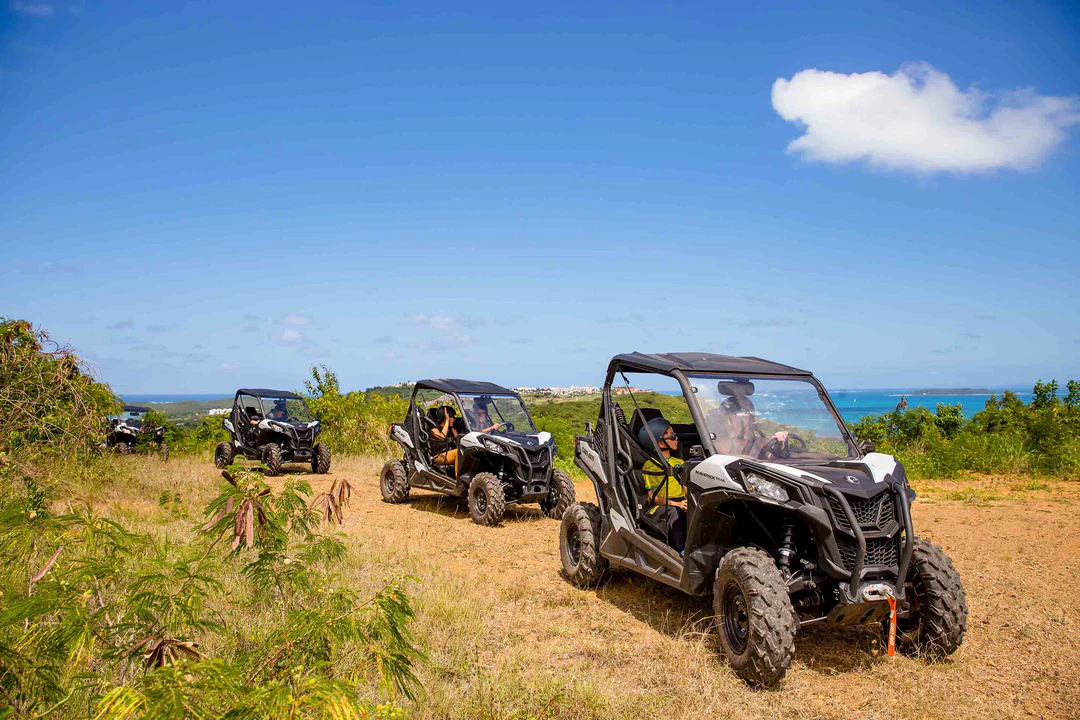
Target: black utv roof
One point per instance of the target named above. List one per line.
(453, 385)
(263, 392)
(135, 408)
(703, 362)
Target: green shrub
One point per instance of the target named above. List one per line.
(51, 403)
(355, 423)
(1006, 436)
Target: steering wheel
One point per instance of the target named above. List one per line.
(783, 450)
(507, 427)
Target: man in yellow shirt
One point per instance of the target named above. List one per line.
(667, 493)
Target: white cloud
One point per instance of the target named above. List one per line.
(917, 119)
(38, 9)
(227, 367)
(440, 323)
(289, 336)
(296, 319)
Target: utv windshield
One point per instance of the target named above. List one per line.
(131, 419)
(497, 414)
(283, 410)
(775, 419)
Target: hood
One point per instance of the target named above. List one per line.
(863, 477)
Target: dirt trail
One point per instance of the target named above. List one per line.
(637, 644)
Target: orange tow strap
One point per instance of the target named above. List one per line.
(892, 626)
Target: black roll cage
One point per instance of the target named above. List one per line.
(457, 399)
(618, 367)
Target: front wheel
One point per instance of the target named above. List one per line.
(320, 459)
(223, 455)
(393, 482)
(754, 617)
(938, 619)
(560, 495)
(486, 500)
(271, 457)
(164, 450)
(579, 545)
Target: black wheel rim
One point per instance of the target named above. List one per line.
(388, 482)
(736, 625)
(553, 494)
(573, 545)
(481, 501)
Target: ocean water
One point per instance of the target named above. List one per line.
(144, 399)
(855, 404)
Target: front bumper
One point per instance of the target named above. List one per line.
(870, 546)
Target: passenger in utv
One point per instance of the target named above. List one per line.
(735, 424)
(280, 411)
(667, 493)
(479, 418)
(442, 449)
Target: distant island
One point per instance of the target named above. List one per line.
(955, 391)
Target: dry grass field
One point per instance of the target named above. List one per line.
(507, 637)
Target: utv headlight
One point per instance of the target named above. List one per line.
(492, 446)
(766, 488)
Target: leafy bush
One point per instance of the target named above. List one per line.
(1006, 436)
(51, 402)
(355, 423)
(96, 617)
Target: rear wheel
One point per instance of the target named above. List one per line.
(754, 617)
(579, 545)
(320, 459)
(223, 455)
(164, 450)
(393, 482)
(939, 611)
(486, 500)
(560, 495)
(271, 457)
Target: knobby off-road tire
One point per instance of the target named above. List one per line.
(164, 450)
(393, 482)
(560, 497)
(939, 618)
(223, 455)
(123, 448)
(754, 617)
(320, 459)
(486, 500)
(271, 457)
(579, 545)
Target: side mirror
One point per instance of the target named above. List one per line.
(588, 428)
(867, 446)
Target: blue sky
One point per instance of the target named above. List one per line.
(225, 193)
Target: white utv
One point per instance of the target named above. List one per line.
(785, 518)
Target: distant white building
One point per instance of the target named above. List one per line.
(218, 411)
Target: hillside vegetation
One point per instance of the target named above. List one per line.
(127, 594)
(1041, 437)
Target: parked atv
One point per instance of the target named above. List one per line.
(476, 440)
(788, 520)
(128, 432)
(273, 427)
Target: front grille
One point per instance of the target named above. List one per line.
(872, 513)
(879, 551)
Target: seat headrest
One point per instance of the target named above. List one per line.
(642, 416)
